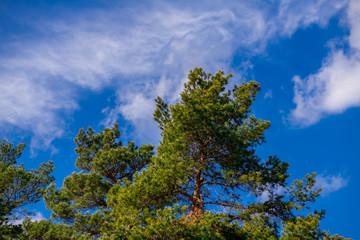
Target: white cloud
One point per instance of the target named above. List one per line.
(336, 86)
(268, 94)
(210, 39)
(330, 183)
(300, 14)
(141, 52)
(332, 90)
(138, 108)
(354, 19)
(30, 104)
(35, 217)
(266, 194)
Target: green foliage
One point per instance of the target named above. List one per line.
(81, 203)
(46, 230)
(307, 227)
(166, 224)
(205, 181)
(206, 157)
(18, 187)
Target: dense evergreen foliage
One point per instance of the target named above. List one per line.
(18, 188)
(205, 181)
(81, 203)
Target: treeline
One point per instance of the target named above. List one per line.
(204, 182)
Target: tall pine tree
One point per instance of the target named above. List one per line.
(206, 179)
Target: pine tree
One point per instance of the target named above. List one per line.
(81, 203)
(18, 187)
(206, 179)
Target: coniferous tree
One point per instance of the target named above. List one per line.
(206, 179)
(81, 203)
(18, 187)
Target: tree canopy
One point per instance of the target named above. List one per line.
(205, 181)
(81, 203)
(18, 187)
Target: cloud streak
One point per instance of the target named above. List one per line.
(330, 183)
(141, 52)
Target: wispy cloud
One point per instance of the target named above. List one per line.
(142, 52)
(330, 183)
(336, 86)
(268, 94)
(37, 216)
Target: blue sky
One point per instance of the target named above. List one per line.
(66, 65)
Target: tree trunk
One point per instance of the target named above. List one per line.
(197, 206)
